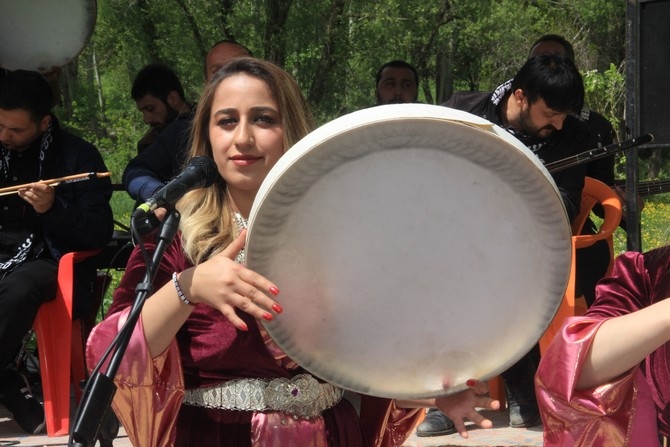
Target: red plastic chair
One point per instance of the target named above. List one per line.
(594, 192)
(60, 347)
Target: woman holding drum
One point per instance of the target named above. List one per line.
(200, 369)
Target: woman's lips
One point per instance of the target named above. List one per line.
(244, 160)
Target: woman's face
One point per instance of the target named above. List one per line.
(245, 131)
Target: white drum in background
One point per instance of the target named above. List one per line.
(41, 34)
(415, 247)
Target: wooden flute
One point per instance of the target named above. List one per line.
(56, 181)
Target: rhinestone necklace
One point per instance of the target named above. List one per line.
(240, 224)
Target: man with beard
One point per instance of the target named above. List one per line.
(592, 261)
(539, 106)
(160, 97)
(397, 83)
(40, 223)
(161, 161)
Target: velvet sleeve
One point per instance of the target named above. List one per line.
(613, 413)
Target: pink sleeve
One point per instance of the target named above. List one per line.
(149, 391)
(602, 416)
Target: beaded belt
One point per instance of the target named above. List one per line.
(301, 397)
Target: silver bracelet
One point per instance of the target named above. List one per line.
(180, 294)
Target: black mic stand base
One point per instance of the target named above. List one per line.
(109, 429)
(96, 412)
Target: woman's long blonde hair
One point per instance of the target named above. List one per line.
(206, 214)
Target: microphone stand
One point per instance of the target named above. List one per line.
(100, 388)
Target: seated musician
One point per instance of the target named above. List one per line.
(39, 223)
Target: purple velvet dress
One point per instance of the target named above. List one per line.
(208, 350)
(632, 409)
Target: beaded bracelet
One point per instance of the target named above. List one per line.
(180, 294)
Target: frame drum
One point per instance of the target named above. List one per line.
(41, 34)
(415, 247)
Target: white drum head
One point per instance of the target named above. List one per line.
(415, 247)
(41, 34)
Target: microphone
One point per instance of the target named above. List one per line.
(200, 172)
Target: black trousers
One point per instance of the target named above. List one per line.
(591, 266)
(22, 291)
(520, 377)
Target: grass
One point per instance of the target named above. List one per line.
(653, 225)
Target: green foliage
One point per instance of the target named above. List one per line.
(653, 224)
(333, 48)
(605, 93)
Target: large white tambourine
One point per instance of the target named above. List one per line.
(41, 34)
(415, 247)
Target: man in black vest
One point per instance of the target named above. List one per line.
(40, 223)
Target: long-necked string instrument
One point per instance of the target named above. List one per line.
(598, 153)
(56, 181)
(644, 189)
(650, 187)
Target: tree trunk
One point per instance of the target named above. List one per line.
(424, 49)
(225, 8)
(336, 34)
(444, 80)
(654, 163)
(149, 30)
(194, 28)
(98, 84)
(275, 44)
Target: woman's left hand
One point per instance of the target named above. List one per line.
(463, 405)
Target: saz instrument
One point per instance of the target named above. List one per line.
(598, 153)
(650, 187)
(644, 189)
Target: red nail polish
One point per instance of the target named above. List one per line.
(277, 308)
(470, 382)
(244, 327)
(274, 290)
(267, 316)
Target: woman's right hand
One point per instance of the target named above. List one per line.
(463, 405)
(223, 284)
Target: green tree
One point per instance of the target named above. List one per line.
(333, 48)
